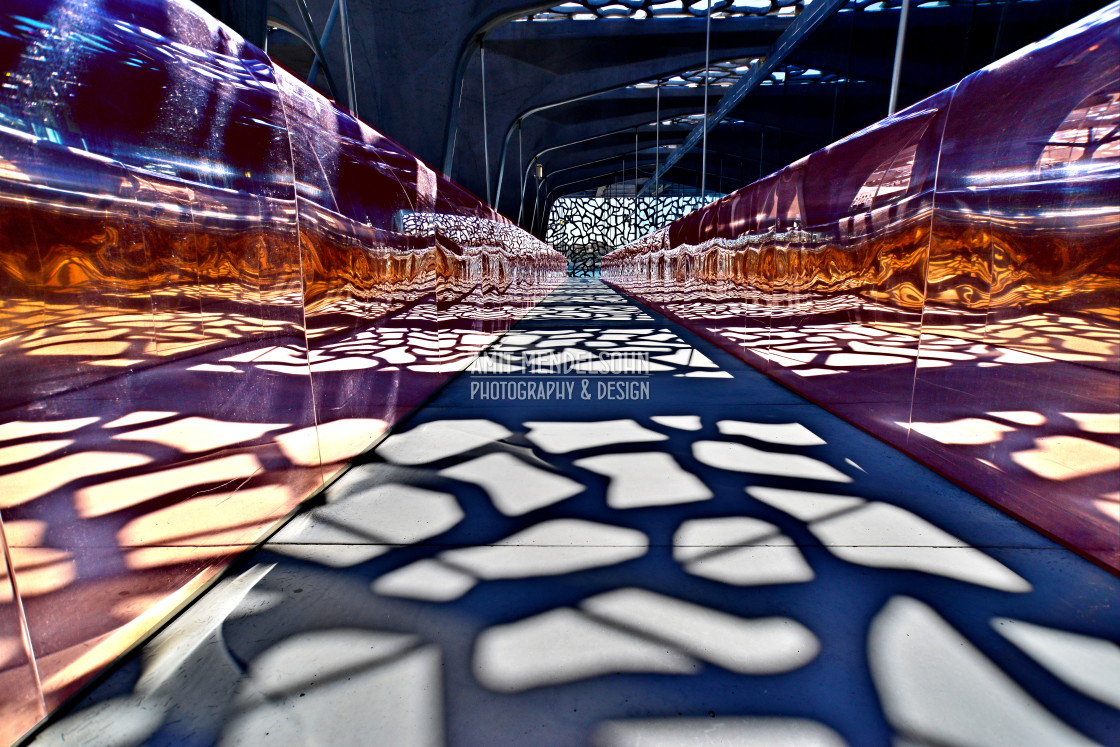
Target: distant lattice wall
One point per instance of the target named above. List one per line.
(586, 228)
(583, 261)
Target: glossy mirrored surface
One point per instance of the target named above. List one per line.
(948, 279)
(216, 287)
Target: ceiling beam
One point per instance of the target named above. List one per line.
(819, 12)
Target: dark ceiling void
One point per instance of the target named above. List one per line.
(570, 86)
(289, 50)
(569, 47)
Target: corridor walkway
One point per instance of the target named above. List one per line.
(671, 550)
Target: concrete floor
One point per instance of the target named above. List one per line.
(712, 561)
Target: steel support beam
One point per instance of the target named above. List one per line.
(313, 40)
(819, 12)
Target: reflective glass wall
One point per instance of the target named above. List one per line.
(948, 279)
(215, 288)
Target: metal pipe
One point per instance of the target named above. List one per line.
(899, 44)
(521, 207)
(348, 58)
(449, 160)
(537, 205)
(761, 149)
(332, 17)
(309, 29)
(707, 77)
(485, 127)
(635, 215)
(657, 140)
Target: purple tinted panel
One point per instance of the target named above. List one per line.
(1024, 289)
(947, 279)
(189, 346)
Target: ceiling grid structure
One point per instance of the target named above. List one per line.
(570, 86)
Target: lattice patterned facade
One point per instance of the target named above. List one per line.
(586, 228)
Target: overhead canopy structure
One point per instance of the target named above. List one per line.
(599, 92)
